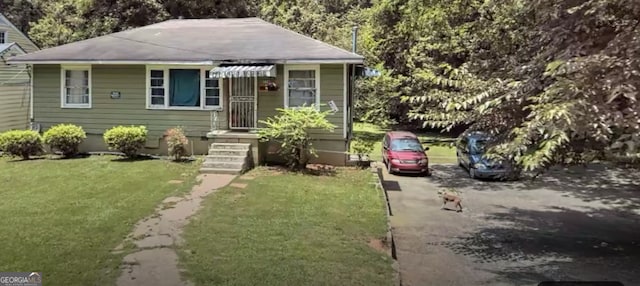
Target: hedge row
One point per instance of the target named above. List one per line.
(66, 139)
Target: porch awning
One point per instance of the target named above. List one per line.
(243, 71)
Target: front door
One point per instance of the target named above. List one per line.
(242, 103)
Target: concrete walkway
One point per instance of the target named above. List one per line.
(155, 262)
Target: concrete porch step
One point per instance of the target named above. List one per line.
(223, 165)
(220, 171)
(226, 158)
(231, 146)
(228, 152)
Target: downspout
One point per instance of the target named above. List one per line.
(354, 47)
(30, 73)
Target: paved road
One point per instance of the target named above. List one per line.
(572, 224)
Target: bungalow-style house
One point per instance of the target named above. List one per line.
(14, 78)
(214, 77)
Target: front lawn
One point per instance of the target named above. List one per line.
(63, 217)
(290, 229)
(440, 146)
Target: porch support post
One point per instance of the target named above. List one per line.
(255, 102)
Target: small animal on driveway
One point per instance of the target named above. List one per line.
(451, 196)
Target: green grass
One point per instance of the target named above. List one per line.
(290, 229)
(63, 217)
(440, 150)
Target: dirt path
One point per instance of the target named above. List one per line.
(154, 261)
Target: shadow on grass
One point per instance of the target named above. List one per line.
(134, 159)
(320, 173)
(530, 246)
(183, 160)
(77, 156)
(19, 159)
(320, 170)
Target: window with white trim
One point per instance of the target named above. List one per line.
(183, 88)
(3, 37)
(211, 90)
(303, 85)
(76, 86)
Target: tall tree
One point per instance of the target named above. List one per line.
(67, 21)
(211, 9)
(62, 23)
(21, 12)
(330, 21)
(554, 81)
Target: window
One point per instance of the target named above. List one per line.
(76, 86)
(211, 90)
(156, 85)
(3, 37)
(182, 88)
(302, 85)
(406, 144)
(478, 147)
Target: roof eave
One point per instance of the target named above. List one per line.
(194, 62)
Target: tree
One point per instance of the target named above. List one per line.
(21, 12)
(553, 81)
(330, 21)
(62, 23)
(66, 21)
(211, 9)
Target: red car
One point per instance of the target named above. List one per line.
(402, 152)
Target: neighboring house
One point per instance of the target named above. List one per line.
(14, 78)
(216, 77)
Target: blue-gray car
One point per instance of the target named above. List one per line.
(470, 149)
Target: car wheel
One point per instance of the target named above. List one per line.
(472, 173)
(459, 161)
(389, 168)
(515, 176)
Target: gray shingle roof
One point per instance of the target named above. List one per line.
(242, 40)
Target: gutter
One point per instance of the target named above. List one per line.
(174, 62)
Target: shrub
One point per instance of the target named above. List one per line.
(291, 129)
(177, 143)
(65, 138)
(21, 143)
(126, 139)
(361, 147)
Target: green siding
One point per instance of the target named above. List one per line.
(130, 81)
(14, 107)
(268, 101)
(130, 109)
(331, 88)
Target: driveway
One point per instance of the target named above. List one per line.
(570, 224)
